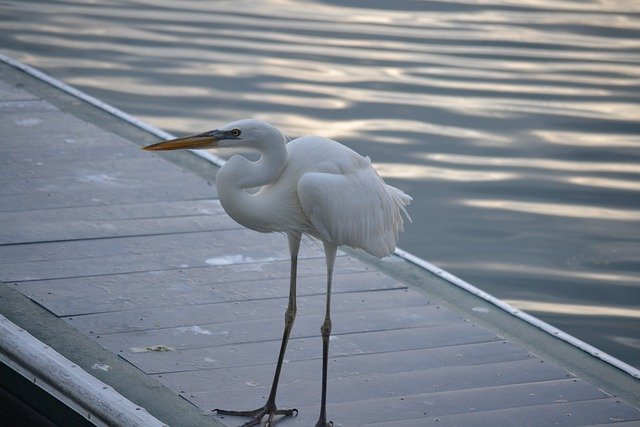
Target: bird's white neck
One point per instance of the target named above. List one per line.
(240, 174)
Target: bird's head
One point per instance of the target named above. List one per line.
(242, 133)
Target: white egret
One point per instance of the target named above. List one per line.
(311, 185)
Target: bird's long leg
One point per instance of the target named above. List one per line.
(330, 254)
(270, 409)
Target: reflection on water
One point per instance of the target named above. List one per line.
(557, 209)
(514, 124)
(576, 309)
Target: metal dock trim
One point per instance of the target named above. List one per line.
(69, 383)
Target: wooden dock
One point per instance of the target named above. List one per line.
(136, 272)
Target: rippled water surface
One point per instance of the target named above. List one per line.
(513, 124)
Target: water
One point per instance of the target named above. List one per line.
(513, 124)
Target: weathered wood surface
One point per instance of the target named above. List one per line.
(137, 254)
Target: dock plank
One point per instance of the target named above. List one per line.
(223, 235)
(171, 287)
(52, 231)
(99, 181)
(118, 212)
(34, 237)
(250, 376)
(92, 222)
(62, 250)
(606, 411)
(375, 385)
(18, 106)
(36, 168)
(235, 347)
(43, 132)
(51, 200)
(153, 252)
(11, 94)
(241, 305)
(412, 407)
(265, 323)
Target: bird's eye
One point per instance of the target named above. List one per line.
(235, 132)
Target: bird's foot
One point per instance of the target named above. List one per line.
(257, 415)
(322, 422)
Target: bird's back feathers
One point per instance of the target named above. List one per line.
(348, 203)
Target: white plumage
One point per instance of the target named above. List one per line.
(349, 204)
(311, 185)
(324, 189)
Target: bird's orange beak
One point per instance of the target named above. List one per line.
(198, 141)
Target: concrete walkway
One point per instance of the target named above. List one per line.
(125, 263)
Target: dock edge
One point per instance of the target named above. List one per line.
(89, 397)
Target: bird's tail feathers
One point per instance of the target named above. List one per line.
(402, 199)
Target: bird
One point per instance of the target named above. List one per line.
(309, 186)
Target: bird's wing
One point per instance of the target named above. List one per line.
(354, 208)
